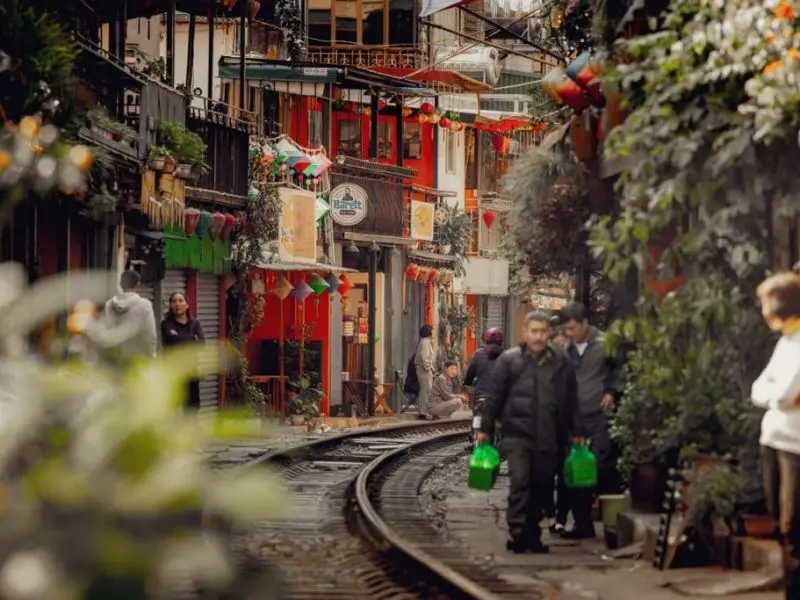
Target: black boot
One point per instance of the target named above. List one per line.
(537, 547)
(579, 533)
(517, 546)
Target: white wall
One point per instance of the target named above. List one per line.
(451, 181)
(224, 43)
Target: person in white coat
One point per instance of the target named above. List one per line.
(777, 390)
(425, 364)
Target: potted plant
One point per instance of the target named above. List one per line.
(454, 232)
(157, 156)
(303, 401)
(99, 121)
(187, 147)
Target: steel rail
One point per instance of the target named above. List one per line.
(387, 538)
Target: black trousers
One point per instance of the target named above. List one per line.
(782, 492)
(531, 488)
(193, 399)
(559, 506)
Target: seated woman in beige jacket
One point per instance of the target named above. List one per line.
(443, 402)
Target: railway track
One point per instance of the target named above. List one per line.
(356, 528)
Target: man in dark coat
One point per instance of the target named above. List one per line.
(534, 396)
(599, 379)
(479, 372)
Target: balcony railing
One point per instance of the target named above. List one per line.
(263, 40)
(228, 140)
(398, 57)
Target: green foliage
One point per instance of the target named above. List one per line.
(100, 204)
(291, 22)
(108, 486)
(186, 146)
(519, 278)
(548, 189)
(713, 137)
(455, 230)
(304, 398)
(99, 117)
(41, 55)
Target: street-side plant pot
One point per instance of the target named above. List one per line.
(297, 420)
(156, 164)
(647, 484)
(183, 170)
(758, 526)
(116, 136)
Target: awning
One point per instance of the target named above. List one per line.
(282, 73)
(306, 267)
(454, 78)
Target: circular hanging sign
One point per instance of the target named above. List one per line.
(348, 204)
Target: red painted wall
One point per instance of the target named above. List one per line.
(313, 310)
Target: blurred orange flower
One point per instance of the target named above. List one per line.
(773, 67)
(784, 11)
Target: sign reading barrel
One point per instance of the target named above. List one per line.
(348, 204)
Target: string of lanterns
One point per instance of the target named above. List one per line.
(446, 119)
(418, 273)
(316, 286)
(270, 158)
(218, 226)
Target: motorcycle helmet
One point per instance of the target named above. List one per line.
(493, 336)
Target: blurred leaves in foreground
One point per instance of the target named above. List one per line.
(103, 487)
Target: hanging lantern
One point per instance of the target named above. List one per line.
(571, 94)
(434, 119)
(454, 126)
(422, 118)
(488, 218)
(498, 143)
(227, 229)
(254, 6)
(431, 276)
(203, 224)
(427, 108)
(282, 288)
(318, 284)
(301, 291)
(422, 275)
(346, 286)
(460, 127)
(333, 282)
(407, 111)
(190, 218)
(412, 271)
(217, 223)
(444, 122)
(576, 66)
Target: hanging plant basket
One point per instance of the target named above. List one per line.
(156, 164)
(183, 171)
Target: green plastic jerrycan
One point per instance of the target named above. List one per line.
(483, 467)
(580, 468)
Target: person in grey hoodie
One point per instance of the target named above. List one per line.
(128, 325)
(599, 379)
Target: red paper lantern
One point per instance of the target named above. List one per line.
(412, 271)
(444, 122)
(255, 5)
(432, 276)
(572, 95)
(422, 274)
(427, 108)
(589, 81)
(498, 143)
(488, 218)
(346, 286)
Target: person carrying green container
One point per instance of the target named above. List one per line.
(534, 395)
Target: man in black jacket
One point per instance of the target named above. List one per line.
(534, 396)
(599, 379)
(479, 372)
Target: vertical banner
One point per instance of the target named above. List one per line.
(422, 218)
(298, 226)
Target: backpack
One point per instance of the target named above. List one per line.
(411, 384)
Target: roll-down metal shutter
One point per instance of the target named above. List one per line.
(208, 315)
(148, 291)
(495, 313)
(174, 281)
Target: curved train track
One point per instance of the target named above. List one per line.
(356, 528)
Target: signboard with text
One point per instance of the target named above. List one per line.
(348, 204)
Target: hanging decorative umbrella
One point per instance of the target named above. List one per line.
(321, 209)
(285, 146)
(301, 291)
(334, 283)
(299, 162)
(217, 223)
(346, 286)
(227, 229)
(318, 284)
(190, 218)
(203, 223)
(282, 288)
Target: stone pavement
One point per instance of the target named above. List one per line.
(584, 570)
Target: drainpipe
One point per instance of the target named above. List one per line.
(371, 302)
(171, 42)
